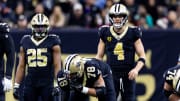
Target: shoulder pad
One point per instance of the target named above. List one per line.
(103, 27)
(133, 26)
(26, 36)
(137, 30)
(53, 35)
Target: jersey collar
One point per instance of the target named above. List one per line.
(115, 35)
(37, 43)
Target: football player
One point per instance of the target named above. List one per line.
(121, 42)
(40, 53)
(86, 76)
(7, 48)
(172, 83)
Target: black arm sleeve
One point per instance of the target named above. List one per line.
(100, 92)
(10, 54)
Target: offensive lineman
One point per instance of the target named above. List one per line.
(86, 76)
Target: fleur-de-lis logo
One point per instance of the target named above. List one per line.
(109, 38)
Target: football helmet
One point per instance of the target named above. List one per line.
(40, 25)
(74, 65)
(4, 28)
(176, 82)
(118, 10)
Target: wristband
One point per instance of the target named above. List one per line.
(16, 85)
(142, 60)
(85, 90)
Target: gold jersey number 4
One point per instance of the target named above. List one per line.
(118, 50)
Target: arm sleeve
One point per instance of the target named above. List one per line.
(10, 53)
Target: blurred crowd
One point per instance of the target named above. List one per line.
(147, 14)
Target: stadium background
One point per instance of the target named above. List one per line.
(159, 19)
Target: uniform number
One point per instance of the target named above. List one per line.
(118, 50)
(91, 72)
(36, 58)
(63, 83)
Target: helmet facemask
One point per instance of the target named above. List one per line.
(123, 21)
(40, 31)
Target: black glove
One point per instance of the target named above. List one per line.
(16, 92)
(76, 86)
(56, 91)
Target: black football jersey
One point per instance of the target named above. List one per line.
(170, 74)
(91, 73)
(39, 58)
(120, 49)
(93, 69)
(103, 67)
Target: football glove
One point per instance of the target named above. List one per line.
(76, 86)
(56, 91)
(16, 92)
(7, 83)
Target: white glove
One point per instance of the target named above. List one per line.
(7, 83)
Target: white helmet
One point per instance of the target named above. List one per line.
(40, 25)
(74, 66)
(118, 9)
